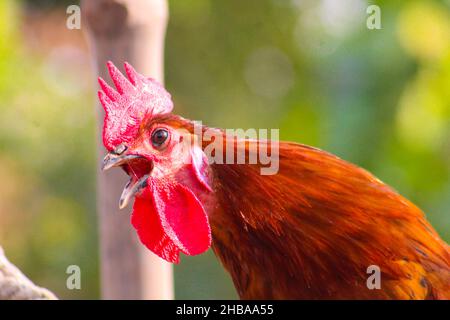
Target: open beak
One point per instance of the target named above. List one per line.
(135, 185)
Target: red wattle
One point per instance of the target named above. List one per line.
(149, 229)
(182, 215)
(168, 218)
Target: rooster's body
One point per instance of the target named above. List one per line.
(311, 231)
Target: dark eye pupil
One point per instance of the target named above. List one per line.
(159, 136)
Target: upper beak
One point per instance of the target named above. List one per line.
(114, 160)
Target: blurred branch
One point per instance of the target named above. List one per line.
(14, 285)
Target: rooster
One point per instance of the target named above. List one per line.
(310, 231)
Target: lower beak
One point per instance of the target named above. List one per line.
(132, 188)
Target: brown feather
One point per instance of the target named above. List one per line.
(312, 230)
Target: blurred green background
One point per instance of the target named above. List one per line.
(378, 98)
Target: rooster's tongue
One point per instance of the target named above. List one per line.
(133, 187)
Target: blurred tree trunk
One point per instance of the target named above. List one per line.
(133, 31)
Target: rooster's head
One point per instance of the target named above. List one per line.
(168, 172)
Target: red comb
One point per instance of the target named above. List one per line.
(136, 98)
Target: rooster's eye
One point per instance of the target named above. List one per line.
(159, 136)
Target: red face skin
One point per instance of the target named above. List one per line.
(169, 176)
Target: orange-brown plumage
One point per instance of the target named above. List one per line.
(312, 230)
